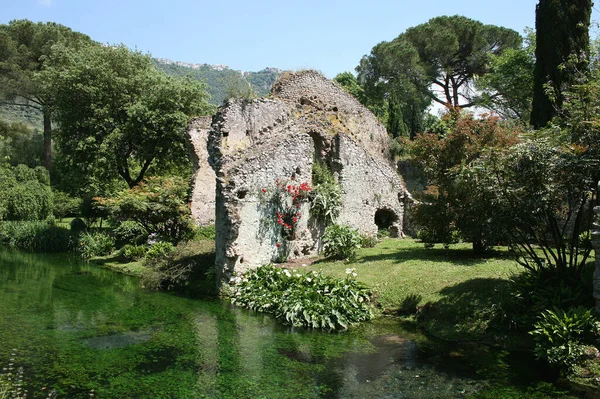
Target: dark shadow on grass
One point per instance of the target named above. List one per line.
(329, 260)
(460, 257)
(476, 338)
(469, 311)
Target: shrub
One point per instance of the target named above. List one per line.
(383, 233)
(95, 244)
(35, 236)
(450, 203)
(539, 192)
(368, 240)
(433, 220)
(560, 336)
(65, 205)
(53, 239)
(533, 291)
(26, 193)
(130, 232)
(160, 204)
(341, 242)
(309, 300)
(77, 225)
(133, 252)
(160, 249)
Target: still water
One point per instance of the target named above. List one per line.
(78, 328)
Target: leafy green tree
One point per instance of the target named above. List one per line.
(540, 192)
(562, 32)
(448, 208)
(20, 144)
(508, 86)
(25, 194)
(396, 101)
(65, 205)
(439, 60)
(119, 116)
(348, 82)
(24, 46)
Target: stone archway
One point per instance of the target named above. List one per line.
(387, 219)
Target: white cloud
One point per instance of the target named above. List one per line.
(47, 3)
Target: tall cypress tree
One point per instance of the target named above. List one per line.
(561, 31)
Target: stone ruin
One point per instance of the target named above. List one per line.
(251, 144)
(203, 191)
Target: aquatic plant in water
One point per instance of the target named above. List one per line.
(304, 299)
(11, 380)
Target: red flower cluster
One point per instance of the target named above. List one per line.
(291, 197)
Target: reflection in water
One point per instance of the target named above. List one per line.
(119, 340)
(78, 327)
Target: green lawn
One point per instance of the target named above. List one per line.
(400, 268)
(454, 294)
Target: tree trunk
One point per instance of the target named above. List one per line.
(47, 140)
(478, 247)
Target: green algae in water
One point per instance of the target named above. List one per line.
(77, 327)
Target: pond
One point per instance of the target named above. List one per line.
(77, 328)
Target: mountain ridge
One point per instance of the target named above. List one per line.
(219, 79)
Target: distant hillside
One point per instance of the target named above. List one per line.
(30, 116)
(219, 77)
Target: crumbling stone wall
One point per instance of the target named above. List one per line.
(252, 144)
(203, 190)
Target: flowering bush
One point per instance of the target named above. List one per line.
(304, 299)
(288, 198)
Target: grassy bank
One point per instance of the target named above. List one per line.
(450, 293)
(401, 269)
(454, 295)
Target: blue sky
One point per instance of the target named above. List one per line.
(327, 35)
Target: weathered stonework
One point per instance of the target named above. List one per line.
(203, 191)
(252, 144)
